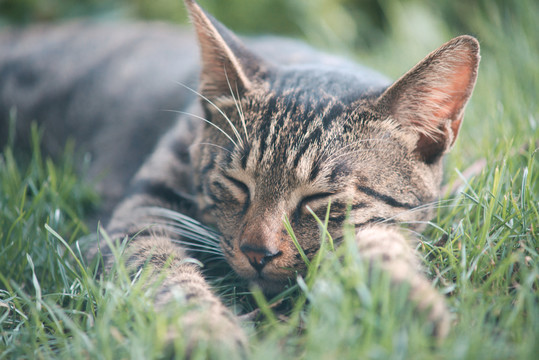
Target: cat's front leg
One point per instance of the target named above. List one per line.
(164, 182)
(387, 248)
(175, 278)
(207, 322)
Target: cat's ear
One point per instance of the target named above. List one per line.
(431, 97)
(227, 65)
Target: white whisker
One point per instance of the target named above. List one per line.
(423, 222)
(198, 238)
(437, 204)
(240, 112)
(192, 247)
(236, 133)
(205, 120)
(217, 146)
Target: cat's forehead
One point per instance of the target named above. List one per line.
(295, 138)
(302, 131)
(318, 81)
(292, 117)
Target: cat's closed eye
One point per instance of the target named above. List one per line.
(313, 201)
(239, 189)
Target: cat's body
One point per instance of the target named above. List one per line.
(291, 129)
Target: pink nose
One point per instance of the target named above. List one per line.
(259, 257)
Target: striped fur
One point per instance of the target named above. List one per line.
(277, 130)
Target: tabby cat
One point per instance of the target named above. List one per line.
(275, 129)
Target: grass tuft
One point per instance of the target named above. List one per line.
(482, 251)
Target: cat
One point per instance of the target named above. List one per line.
(274, 128)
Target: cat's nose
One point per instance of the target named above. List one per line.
(258, 257)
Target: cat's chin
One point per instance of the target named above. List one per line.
(270, 287)
(271, 280)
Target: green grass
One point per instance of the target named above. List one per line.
(481, 250)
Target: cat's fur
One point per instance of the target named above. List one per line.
(276, 129)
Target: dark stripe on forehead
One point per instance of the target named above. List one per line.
(262, 140)
(271, 108)
(315, 135)
(290, 103)
(385, 198)
(315, 170)
(335, 111)
(318, 109)
(265, 126)
(278, 127)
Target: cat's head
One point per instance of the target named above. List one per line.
(284, 140)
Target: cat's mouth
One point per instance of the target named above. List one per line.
(271, 280)
(270, 286)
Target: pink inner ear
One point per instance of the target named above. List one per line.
(429, 99)
(441, 98)
(451, 97)
(428, 96)
(457, 92)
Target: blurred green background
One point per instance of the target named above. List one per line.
(346, 26)
(336, 23)
(388, 35)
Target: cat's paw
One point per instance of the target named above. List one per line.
(199, 326)
(430, 302)
(207, 334)
(388, 249)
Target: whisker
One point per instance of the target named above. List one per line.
(424, 222)
(212, 258)
(193, 236)
(205, 120)
(417, 234)
(240, 141)
(199, 238)
(190, 247)
(185, 220)
(190, 234)
(217, 146)
(240, 113)
(437, 204)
